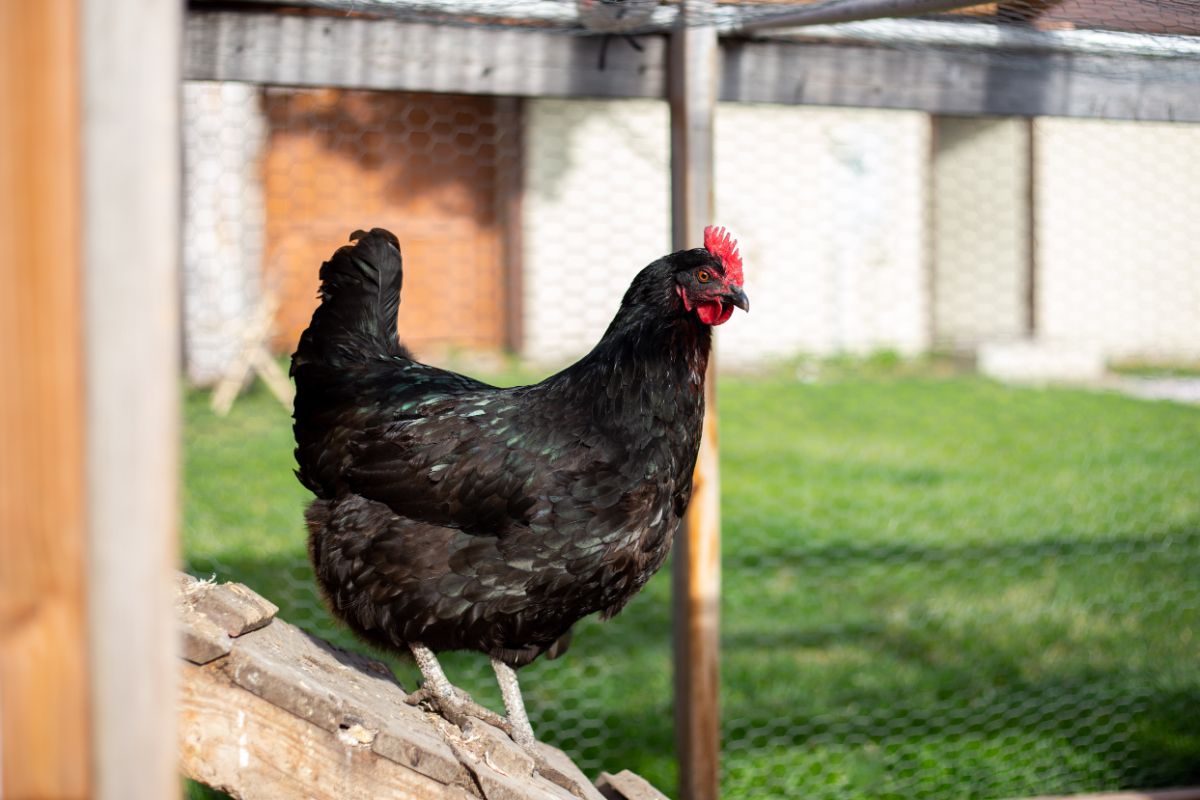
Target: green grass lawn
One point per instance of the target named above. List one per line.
(933, 587)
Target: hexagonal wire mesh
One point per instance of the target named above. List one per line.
(937, 582)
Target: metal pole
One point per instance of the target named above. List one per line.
(696, 575)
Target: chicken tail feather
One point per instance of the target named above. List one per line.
(360, 296)
(351, 339)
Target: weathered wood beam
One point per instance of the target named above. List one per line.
(834, 11)
(1192, 793)
(357, 53)
(696, 569)
(131, 257)
(239, 742)
(945, 80)
(360, 53)
(269, 711)
(993, 37)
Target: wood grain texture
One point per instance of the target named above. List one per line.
(44, 741)
(390, 54)
(282, 713)
(696, 576)
(1182, 793)
(235, 741)
(131, 253)
(944, 80)
(362, 53)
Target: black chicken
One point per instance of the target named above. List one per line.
(454, 515)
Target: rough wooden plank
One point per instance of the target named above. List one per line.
(390, 54)
(1183, 793)
(231, 606)
(944, 80)
(250, 748)
(502, 770)
(360, 53)
(626, 785)
(355, 703)
(203, 639)
(697, 568)
(131, 249)
(314, 697)
(337, 690)
(558, 760)
(44, 742)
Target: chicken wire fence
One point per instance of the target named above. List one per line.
(960, 439)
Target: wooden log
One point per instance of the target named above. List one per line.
(281, 713)
(626, 785)
(1183, 793)
(387, 54)
(251, 748)
(696, 575)
(44, 739)
(232, 606)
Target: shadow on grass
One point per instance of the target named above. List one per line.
(961, 671)
(1049, 647)
(993, 670)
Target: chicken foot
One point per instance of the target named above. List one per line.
(457, 706)
(444, 697)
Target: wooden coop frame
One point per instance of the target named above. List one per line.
(90, 234)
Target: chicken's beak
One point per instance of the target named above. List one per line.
(737, 297)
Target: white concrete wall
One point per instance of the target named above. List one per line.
(224, 133)
(981, 230)
(1118, 236)
(828, 204)
(597, 208)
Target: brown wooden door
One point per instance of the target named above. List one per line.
(434, 169)
(45, 743)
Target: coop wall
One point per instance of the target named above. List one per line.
(981, 231)
(224, 141)
(826, 203)
(1118, 259)
(863, 230)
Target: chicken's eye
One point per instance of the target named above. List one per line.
(704, 276)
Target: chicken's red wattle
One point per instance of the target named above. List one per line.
(714, 312)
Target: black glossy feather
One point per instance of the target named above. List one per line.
(466, 516)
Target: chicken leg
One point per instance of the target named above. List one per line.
(514, 705)
(444, 697)
(456, 706)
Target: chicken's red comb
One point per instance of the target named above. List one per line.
(721, 244)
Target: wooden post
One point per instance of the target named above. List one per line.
(44, 740)
(696, 575)
(131, 254)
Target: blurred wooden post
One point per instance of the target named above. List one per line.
(696, 576)
(44, 741)
(131, 256)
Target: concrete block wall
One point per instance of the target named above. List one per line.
(1118, 250)
(224, 132)
(828, 205)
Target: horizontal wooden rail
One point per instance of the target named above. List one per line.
(390, 54)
